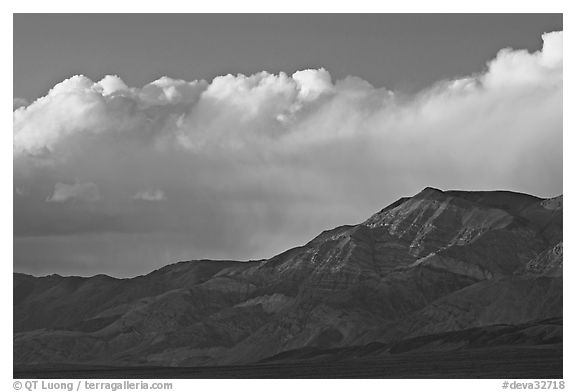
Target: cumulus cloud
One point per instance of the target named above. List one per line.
(520, 68)
(312, 83)
(256, 163)
(78, 192)
(111, 84)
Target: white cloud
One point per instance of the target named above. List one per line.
(312, 83)
(87, 192)
(111, 84)
(256, 163)
(520, 68)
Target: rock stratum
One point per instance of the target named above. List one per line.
(436, 272)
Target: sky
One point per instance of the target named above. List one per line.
(143, 140)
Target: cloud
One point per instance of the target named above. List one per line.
(87, 192)
(111, 84)
(522, 69)
(312, 83)
(256, 163)
(156, 195)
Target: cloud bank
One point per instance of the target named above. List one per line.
(246, 166)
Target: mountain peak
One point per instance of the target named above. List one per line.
(429, 191)
(437, 262)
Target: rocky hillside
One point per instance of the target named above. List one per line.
(436, 271)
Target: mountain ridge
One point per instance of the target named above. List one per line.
(392, 205)
(437, 262)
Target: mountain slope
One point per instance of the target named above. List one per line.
(437, 262)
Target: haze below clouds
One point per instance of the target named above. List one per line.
(120, 179)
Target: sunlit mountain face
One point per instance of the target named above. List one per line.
(288, 196)
(435, 272)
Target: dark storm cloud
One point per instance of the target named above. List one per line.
(246, 166)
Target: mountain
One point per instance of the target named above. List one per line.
(437, 272)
